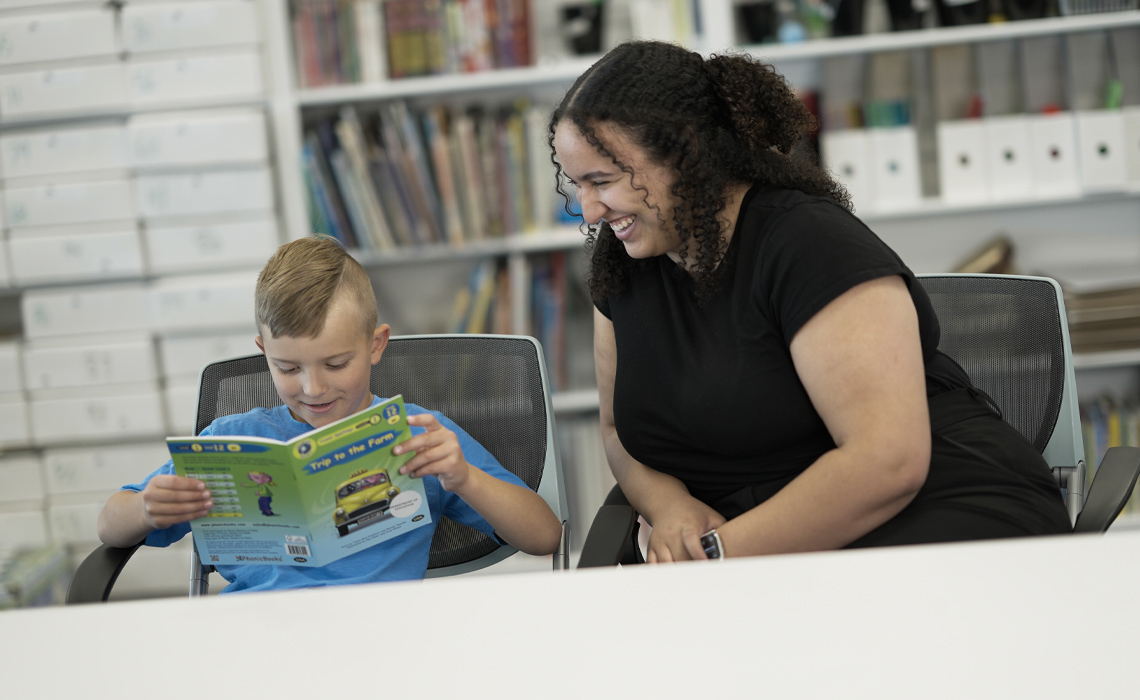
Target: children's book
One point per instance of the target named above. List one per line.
(312, 500)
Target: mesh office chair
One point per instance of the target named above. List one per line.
(1010, 335)
(494, 387)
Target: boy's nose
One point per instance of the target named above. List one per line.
(315, 384)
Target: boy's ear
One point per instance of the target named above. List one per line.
(380, 341)
(257, 341)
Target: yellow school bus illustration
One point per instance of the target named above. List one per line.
(365, 496)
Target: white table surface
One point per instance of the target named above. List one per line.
(1052, 617)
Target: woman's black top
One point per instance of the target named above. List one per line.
(707, 392)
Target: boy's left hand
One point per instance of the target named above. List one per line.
(437, 452)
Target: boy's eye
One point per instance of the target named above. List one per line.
(342, 365)
(286, 370)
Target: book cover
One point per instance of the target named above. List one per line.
(312, 500)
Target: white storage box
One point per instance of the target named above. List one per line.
(232, 76)
(1053, 144)
(962, 161)
(181, 403)
(205, 193)
(203, 301)
(15, 423)
(77, 90)
(21, 478)
(189, 25)
(895, 169)
(22, 528)
(10, 372)
(61, 151)
(211, 246)
(58, 36)
(5, 275)
(84, 310)
(184, 357)
(39, 259)
(847, 154)
(71, 203)
(75, 523)
(98, 416)
(1101, 150)
(89, 362)
(1132, 142)
(198, 138)
(1008, 160)
(101, 468)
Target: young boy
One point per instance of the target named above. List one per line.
(316, 319)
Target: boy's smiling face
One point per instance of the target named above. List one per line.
(326, 378)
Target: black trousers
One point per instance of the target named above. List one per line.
(985, 481)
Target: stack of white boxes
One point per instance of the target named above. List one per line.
(138, 206)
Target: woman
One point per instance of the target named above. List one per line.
(767, 367)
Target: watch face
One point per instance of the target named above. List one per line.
(711, 545)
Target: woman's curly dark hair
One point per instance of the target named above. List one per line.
(729, 119)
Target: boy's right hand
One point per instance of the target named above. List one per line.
(168, 500)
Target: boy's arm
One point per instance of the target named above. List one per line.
(517, 514)
(129, 516)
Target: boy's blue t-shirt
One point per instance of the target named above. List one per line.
(398, 559)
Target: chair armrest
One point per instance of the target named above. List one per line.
(612, 539)
(96, 576)
(1110, 488)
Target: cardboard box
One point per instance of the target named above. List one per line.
(211, 246)
(231, 76)
(84, 310)
(98, 416)
(21, 478)
(1009, 167)
(1102, 150)
(183, 357)
(1053, 154)
(198, 138)
(203, 302)
(895, 168)
(15, 423)
(181, 398)
(42, 259)
(100, 468)
(10, 372)
(190, 25)
(70, 203)
(962, 168)
(205, 193)
(82, 362)
(23, 528)
(58, 36)
(60, 151)
(63, 91)
(847, 154)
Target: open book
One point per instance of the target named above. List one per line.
(312, 500)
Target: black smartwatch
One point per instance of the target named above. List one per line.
(710, 542)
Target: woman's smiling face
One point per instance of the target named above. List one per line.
(639, 207)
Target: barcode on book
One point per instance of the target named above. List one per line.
(298, 549)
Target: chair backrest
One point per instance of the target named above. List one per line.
(493, 386)
(1010, 335)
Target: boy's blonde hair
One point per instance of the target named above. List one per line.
(299, 284)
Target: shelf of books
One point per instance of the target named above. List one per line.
(942, 36)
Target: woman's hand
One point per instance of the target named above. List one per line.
(676, 534)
